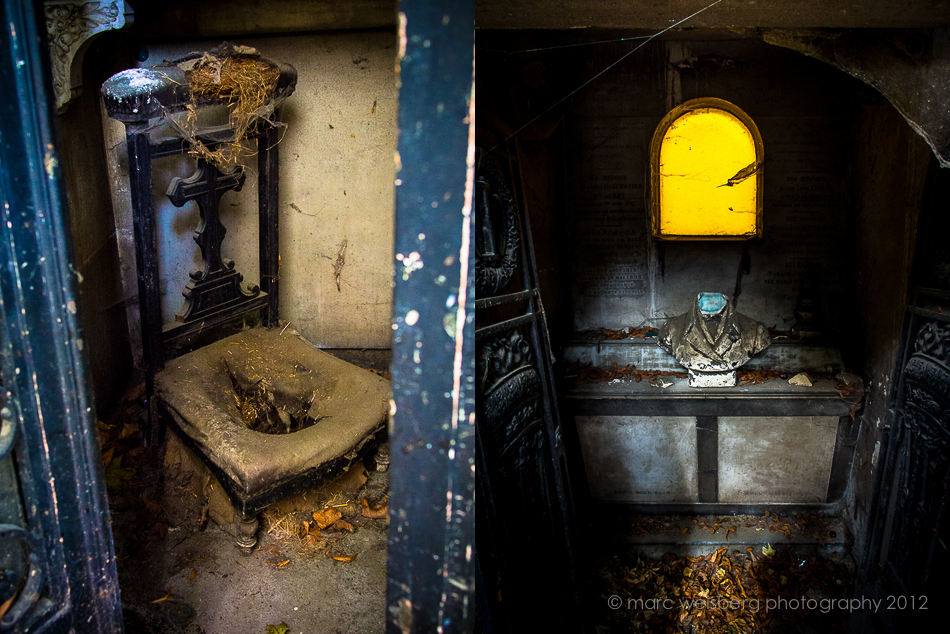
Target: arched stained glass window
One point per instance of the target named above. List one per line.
(706, 171)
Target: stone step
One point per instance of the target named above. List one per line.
(653, 536)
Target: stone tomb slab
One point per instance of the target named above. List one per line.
(640, 459)
(775, 459)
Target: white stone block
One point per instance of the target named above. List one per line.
(712, 379)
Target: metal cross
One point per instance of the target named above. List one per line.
(206, 186)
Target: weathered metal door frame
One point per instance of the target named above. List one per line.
(526, 519)
(910, 503)
(430, 568)
(59, 513)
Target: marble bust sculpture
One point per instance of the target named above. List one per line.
(712, 340)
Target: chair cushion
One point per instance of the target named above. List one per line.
(350, 404)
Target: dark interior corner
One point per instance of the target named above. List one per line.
(854, 200)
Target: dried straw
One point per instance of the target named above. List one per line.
(247, 83)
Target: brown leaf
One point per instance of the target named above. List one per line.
(128, 430)
(346, 558)
(159, 528)
(164, 598)
(6, 606)
(380, 511)
(153, 507)
(136, 457)
(312, 540)
(134, 393)
(107, 457)
(326, 517)
(344, 525)
(278, 563)
(194, 573)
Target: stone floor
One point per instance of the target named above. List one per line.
(767, 573)
(215, 590)
(179, 570)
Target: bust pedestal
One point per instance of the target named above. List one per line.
(712, 379)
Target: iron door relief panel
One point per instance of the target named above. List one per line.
(640, 459)
(775, 459)
(923, 462)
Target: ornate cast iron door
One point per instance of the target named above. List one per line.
(57, 568)
(908, 564)
(923, 462)
(525, 511)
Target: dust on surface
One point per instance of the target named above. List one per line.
(180, 572)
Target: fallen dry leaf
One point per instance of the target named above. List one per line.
(107, 457)
(326, 517)
(6, 606)
(133, 393)
(153, 507)
(346, 558)
(128, 430)
(344, 525)
(164, 598)
(278, 564)
(136, 457)
(379, 511)
(194, 573)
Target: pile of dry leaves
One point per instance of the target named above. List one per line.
(321, 532)
(132, 476)
(742, 591)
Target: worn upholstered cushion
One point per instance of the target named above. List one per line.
(350, 404)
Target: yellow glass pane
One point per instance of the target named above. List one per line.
(708, 182)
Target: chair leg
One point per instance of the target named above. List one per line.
(246, 538)
(382, 457)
